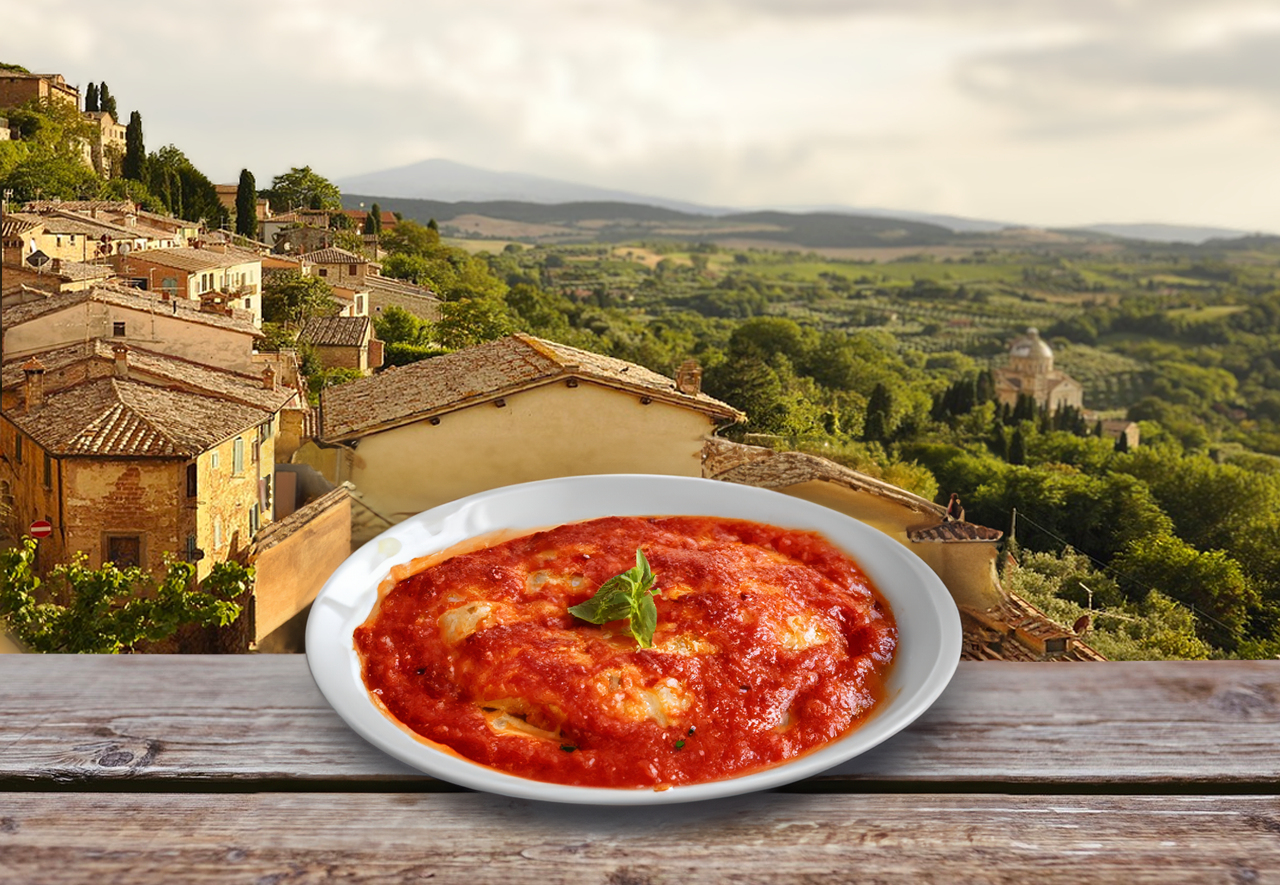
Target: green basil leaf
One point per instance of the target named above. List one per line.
(628, 595)
(644, 620)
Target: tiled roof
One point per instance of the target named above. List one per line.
(758, 466)
(336, 331)
(334, 255)
(160, 368)
(482, 373)
(376, 283)
(122, 296)
(68, 223)
(16, 223)
(79, 270)
(78, 205)
(189, 259)
(1016, 630)
(955, 531)
(113, 417)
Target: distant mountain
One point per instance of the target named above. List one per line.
(1166, 233)
(450, 182)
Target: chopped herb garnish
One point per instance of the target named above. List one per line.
(679, 744)
(568, 748)
(628, 595)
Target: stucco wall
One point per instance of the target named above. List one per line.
(205, 344)
(226, 498)
(546, 432)
(290, 573)
(968, 569)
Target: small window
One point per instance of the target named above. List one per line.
(351, 270)
(17, 447)
(248, 304)
(237, 455)
(359, 303)
(215, 461)
(324, 271)
(192, 480)
(124, 550)
(48, 471)
(255, 520)
(170, 285)
(191, 548)
(117, 329)
(255, 451)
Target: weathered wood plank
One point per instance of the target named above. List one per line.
(477, 839)
(228, 719)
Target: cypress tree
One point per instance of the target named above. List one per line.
(247, 205)
(432, 224)
(1097, 429)
(373, 221)
(107, 101)
(876, 426)
(91, 97)
(135, 152)
(986, 387)
(1122, 443)
(1017, 447)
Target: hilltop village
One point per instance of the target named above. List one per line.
(227, 373)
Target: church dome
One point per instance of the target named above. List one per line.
(1031, 354)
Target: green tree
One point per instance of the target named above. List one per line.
(373, 221)
(91, 97)
(470, 321)
(107, 101)
(411, 238)
(290, 297)
(135, 152)
(247, 205)
(1212, 584)
(300, 187)
(109, 610)
(135, 191)
(876, 426)
(187, 192)
(397, 326)
(1018, 447)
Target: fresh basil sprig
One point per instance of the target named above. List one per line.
(628, 595)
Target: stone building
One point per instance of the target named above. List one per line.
(1030, 372)
(20, 87)
(343, 342)
(191, 274)
(107, 144)
(130, 472)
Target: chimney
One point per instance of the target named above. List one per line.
(34, 370)
(268, 377)
(121, 353)
(689, 377)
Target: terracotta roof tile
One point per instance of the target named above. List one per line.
(159, 368)
(113, 417)
(766, 468)
(123, 296)
(482, 373)
(953, 532)
(334, 255)
(187, 258)
(337, 331)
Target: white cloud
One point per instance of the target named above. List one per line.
(1051, 111)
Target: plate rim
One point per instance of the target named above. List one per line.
(333, 618)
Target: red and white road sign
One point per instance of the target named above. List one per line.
(41, 528)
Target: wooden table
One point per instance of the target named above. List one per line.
(234, 769)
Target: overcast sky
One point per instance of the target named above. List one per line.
(1034, 111)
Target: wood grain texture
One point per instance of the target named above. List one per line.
(477, 839)
(76, 719)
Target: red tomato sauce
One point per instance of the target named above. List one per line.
(770, 642)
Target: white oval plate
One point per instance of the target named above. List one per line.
(928, 623)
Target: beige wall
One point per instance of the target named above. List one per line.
(226, 497)
(125, 497)
(288, 575)
(208, 345)
(542, 433)
(968, 569)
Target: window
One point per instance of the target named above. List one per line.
(124, 550)
(237, 455)
(192, 480)
(192, 550)
(248, 304)
(255, 451)
(255, 520)
(117, 329)
(170, 285)
(214, 460)
(359, 303)
(48, 471)
(17, 447)
(324, 271)
(351, 270)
